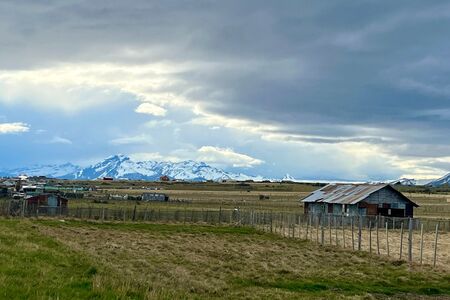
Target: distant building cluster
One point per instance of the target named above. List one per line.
(38, 192)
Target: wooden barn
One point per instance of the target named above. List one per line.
(47, 200)
(359, 199)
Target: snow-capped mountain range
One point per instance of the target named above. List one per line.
(123, 167)
(441, 181)
(51, 171)
(404, 181)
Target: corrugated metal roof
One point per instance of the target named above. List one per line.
(343, 193)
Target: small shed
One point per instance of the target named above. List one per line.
(47, 200)
(359, 199)
(155, 197)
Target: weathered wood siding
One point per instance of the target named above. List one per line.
(388, 196)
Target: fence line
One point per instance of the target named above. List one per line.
(430, 246)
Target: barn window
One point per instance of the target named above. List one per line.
(345, 208)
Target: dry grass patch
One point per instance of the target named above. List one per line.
(177, 261)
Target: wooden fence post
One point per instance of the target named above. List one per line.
(370, 237)
(336, 231)
(329, 228)
(410, 239)
(359, 233)
(293, 218)
(307, 227)
(317, 228)
(343, 231)
(435, 245)
(322, 233)
(288, 221)
(421, 243)
(271, 222)
(387, 238)
(401, 241)
(353, 233)
(378, 238)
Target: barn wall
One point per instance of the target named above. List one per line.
(318, 208)
(337, 209)
(322, 208)
(387, 195)
(353, 210)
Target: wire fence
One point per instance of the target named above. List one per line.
(404, 239)
(423, 241)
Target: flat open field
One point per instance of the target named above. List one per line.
(276, 196)
(431, 205)
(51, 259)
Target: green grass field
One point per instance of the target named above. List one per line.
(434, 202)
(50, 259)
(431, 205)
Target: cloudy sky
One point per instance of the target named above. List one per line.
(317, 89)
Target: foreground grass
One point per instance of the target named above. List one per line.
(36, 266)
(85, 260)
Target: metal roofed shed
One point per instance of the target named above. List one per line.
(359, 199)
(155, 197)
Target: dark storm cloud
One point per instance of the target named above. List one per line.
(373, 71)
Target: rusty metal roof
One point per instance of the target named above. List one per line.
(344, 193)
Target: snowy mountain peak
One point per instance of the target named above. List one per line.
(117, 157)
(54, 171)
(404, 181)
(441, 181)
(122, 167)
(288, 177)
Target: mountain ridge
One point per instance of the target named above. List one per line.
(120, 166)
(123, 167)
(440, 181)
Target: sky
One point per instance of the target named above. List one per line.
(356, 90)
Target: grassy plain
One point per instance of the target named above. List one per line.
(434, 203)
(50, 259)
